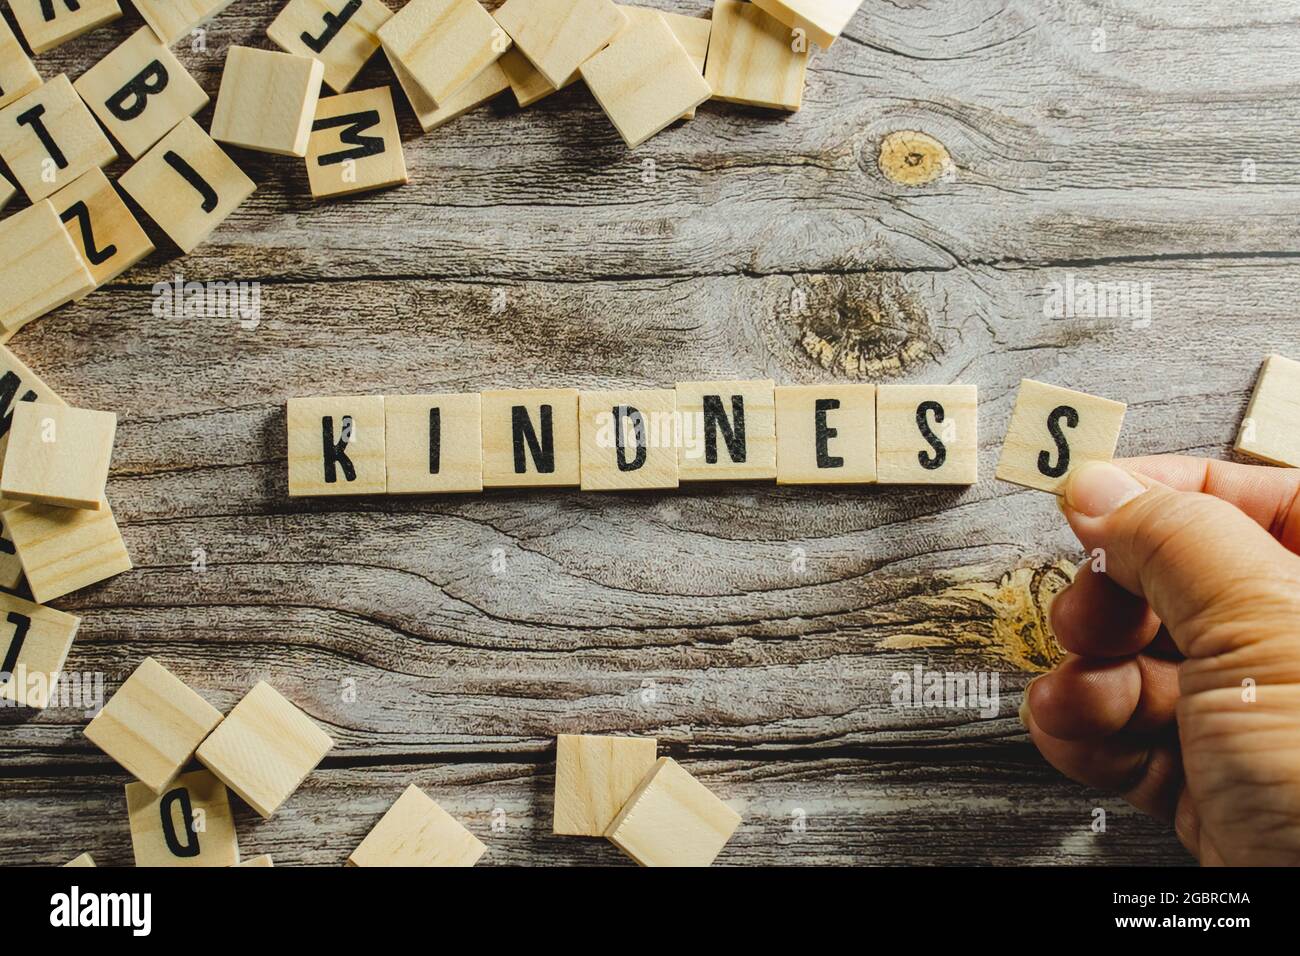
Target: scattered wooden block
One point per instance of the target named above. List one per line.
(264, 749)
(558, 36)
(101, 226)
(58, 455)
(140, 91)
(927, 435)
(821, 20)
(752, 58)
(825, 434)
(187, 185)
(18, 383)
(258, 861)
(644, 80)
(189, 825)
(40, 267)
(48, 139)
(64, 549)
(478, 91)
(672, 820)
(49, 23)
(417, 832)
(443, 44)
(728, 430)
(7, 191)
(336, 445)
(1054, 430)
(173, 19)
(691, 32)
(355, 146)
(525, 81)
(594, 777)
(34, 643)
(84, 860)
(434, 443)
(342, 34)
(1271, 428)
(628, 439)
(530, 438)
(153, 725)
(18, 76)
(11, 569)
(267, 101)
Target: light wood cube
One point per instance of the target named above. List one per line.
(173, 19)
(34, 643)
(530, 438)
(336, 445)
(1054, 430)
(267, 101)
(728, 430)
(188, 825)
(48, 139)
(49, 23)
(354, 145)
(525, 81)
(58, 455)
(434, 443)
(821, 20)
(476, 92)
(342, 34)
(417, 832)
(672, 820)
(65, 549)
(258, 861)
(78, 861)
(102, 228)
(691, 32)
(753, 59)
(18, 76)
(40, 267)
(629, 439)
(1271, 428)
(825, 434)
(18, 383)
(594, 777)
(443, 44)
(558, 36)
(927, 435)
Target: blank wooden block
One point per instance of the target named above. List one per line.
(18, 76)
(594, 777)
(84, 860)
(478, 91)
(173, 19)
(927, 435)
(417, 832)
(18, 383)
(821, 20)
(188, 825)
(558, 36)
(64, 549)
(434, 443)
(629, 439)
(153, 725)
(267, 101)
(40, 267)
(1054, 430)
(342, 34)
(258, 861)
(691, 32)
(187, 184)
(525, 81)
(140, 91)
(336, 445)
(101, 226)
(728, 430)
(672, 820)
(443, 44)
(58, 455)
(530, 438)
(48, 23)
(48, 139)
(11, 569)
(34, 643)
(354, 145)
(825, 434)
(264, 749)
(1271, 428)
(644, 80)
(752, 59)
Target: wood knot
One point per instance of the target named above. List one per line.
(912, 158)
(870, 328)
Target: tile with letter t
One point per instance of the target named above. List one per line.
(558, 36)
(417, 832)
(1053, 430)
(434, 443)
(629, 439)
(49, 23)
(530, 438)
(821, 20)
(672, 820)
(173, 19)
(342, 34)
(48, 139)
(753, 59)
(825, 434)
(18, 76)
(58, 455)
(64, 549)
(336, 445)
(267, 101)
(927, 435)
(34, 643)
(1271, 429)
(594, 777)
(108, 237)
(443, 44)
(40, 267)
(190, 824)
(355, 146)
(728, 430)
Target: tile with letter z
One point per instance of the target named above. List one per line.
(108, 237)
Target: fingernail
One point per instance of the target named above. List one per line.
(1024, 702)
(1098, 488)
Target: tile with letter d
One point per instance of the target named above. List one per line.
(927, 435)
(189, 824)
(825, 434)
(1054, 430)
(629, 439)
(336, 445)
(433, 443)
(728, 430)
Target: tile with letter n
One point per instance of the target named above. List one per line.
(530, 438)
(18, 76)
(336, 445)
(173, 19)
(48, 23)
(728, 430)
(417, 832)
(1271, 429)
(434, 443)
(754, 59)
(1053, 430)
(825, 434)
(629, 439)
(187, 184)
(108, 237)
(40, 267)
(34, 643)
(140, 91)
(267, 101)
(58, 455)
(355, 146)
(927, 435)
(443, 44)
(672, 820)
(594, 777)
(342, 34)
(821, 20)
(558, 36)
(478, 91)
(64, 549)
(48, 139)
(189, 824)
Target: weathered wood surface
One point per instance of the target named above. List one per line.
(752, 628)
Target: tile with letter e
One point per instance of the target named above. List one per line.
(48, 139)
(140, 91)
(336, 445)
(728, 430)
(189, 824)
(153, 725)
(1054, 430)
(558, 36)
(927, 435)
(267, 101)
(65, 549)
(1271, 429)
(594, 777)
(84, 859)
(34, 643)
(629, 439)
(18, 76)
(530, 438)
(672, 820)
(417, 832)
(434, 443)
(187, 184)
(173, 19)
(40, 267)
(825, 434)
(108, 237)
(821, 20)
(752, 58)
(354, 145)
(443, 44)
(342, 34)
(58, 455)
(49, 23)
(478, 91)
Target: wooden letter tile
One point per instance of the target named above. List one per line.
(7, 191)
(187, 184)
(40, 267)
(825, 434)
(84, 860)
(629, 439)
(153, 725)
(264, 749)
(64, 549)
(1053, 430)
(728, 430)
(267, 101)
(434, 443)
(48, 139)
(594, 777)
(1271, 428)
(342, 34)
(258, 861)
(752, 58)
(188, 825)
(558, 36)
(102, 228)
(525, 81)
(58, 455)
(354, 145)
(821, 20)
(478, 91)
(672, 820)
(417, 832)
(48, 23)
(18, 383)
(927, 435)
(11, 569)
(530, 438)
(443, 44)
(691, 32)
(18, 76)
(336, 445)
(173, 19)
(34, 643)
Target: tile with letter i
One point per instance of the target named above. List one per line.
(530, 438)
(65, 549)
(443, 44)
(927, 435)
(558, 36)
(433, 443)
(189, 824)
(825, 434)
(58, 455)
(672, 820)
(48, 139)
(34, 643)
(342, 34)
(417, 832)
(337, 445)
(354, 145)
(629, 439)
(108, 237)
(173, 19)
(40, 267)
(1271, 429)
(267, 101)
(1054, 430)
(18, 76)
(49, 23)
(753, 58)
(728, 430)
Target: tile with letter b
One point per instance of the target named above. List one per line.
(594, 777)
(40, 267)
(336, 445)
(65, 549)
(34, 643)
(753, 58)
(558, 36)
(728, 430)
(530, 438)
(1053, 430)
(342, 34)
(433, 443)
(267, 101)
(189, 824)
(443, 44)
(48, 23)
(173, 19)
(108, 237)
(58, 455)
(821, 20)
(629, 439)
(672, 820)
(417, 832)
(927, 435)
(1271, 429)
(18, 76)
(354, 145)
(48, 139)
(825, 434)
